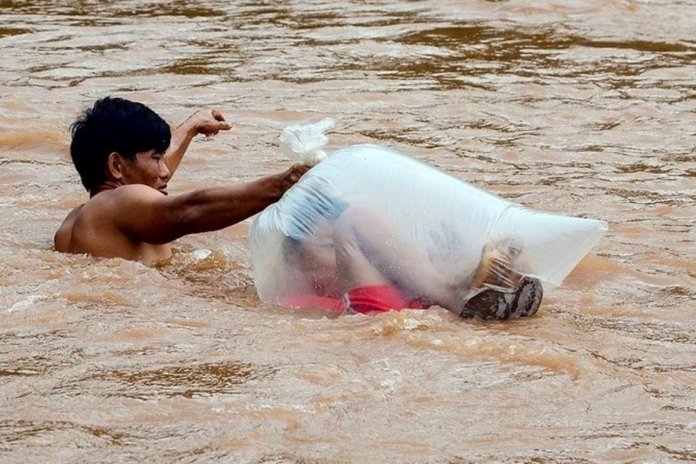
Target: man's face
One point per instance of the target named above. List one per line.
(149, 169)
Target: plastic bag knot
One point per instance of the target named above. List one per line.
(303, 142)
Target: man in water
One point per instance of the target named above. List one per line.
(126, 154)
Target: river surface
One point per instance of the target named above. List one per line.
(584, 108)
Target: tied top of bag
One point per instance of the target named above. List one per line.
(303, 142)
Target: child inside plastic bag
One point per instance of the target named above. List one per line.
(358, 261)
(369, 229)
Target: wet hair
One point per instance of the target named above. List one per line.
(114, 125)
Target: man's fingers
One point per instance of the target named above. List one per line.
(298, 171)
(222, 124)
(217, 115)
(292, 175)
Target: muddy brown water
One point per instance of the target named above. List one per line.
(583, 108)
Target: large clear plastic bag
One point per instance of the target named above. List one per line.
(447, 220)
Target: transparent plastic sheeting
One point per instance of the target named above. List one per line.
(447, 219)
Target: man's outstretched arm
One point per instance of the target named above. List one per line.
(206, 122)
(146, 215)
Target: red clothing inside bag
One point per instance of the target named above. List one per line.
(367, 299)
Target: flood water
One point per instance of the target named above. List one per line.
(584, 108)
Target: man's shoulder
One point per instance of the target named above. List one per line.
(129, 191)
(124, 195)
(102, 216)
(108, 206)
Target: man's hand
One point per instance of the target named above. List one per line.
(292, 175)
(208, 122)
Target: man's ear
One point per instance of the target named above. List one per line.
(114, 165)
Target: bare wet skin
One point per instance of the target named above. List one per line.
(581, 108)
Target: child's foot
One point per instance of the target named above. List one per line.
(495, 268)
(492, 303)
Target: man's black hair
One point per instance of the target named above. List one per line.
(114, 125)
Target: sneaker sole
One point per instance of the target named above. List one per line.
(495, 304)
